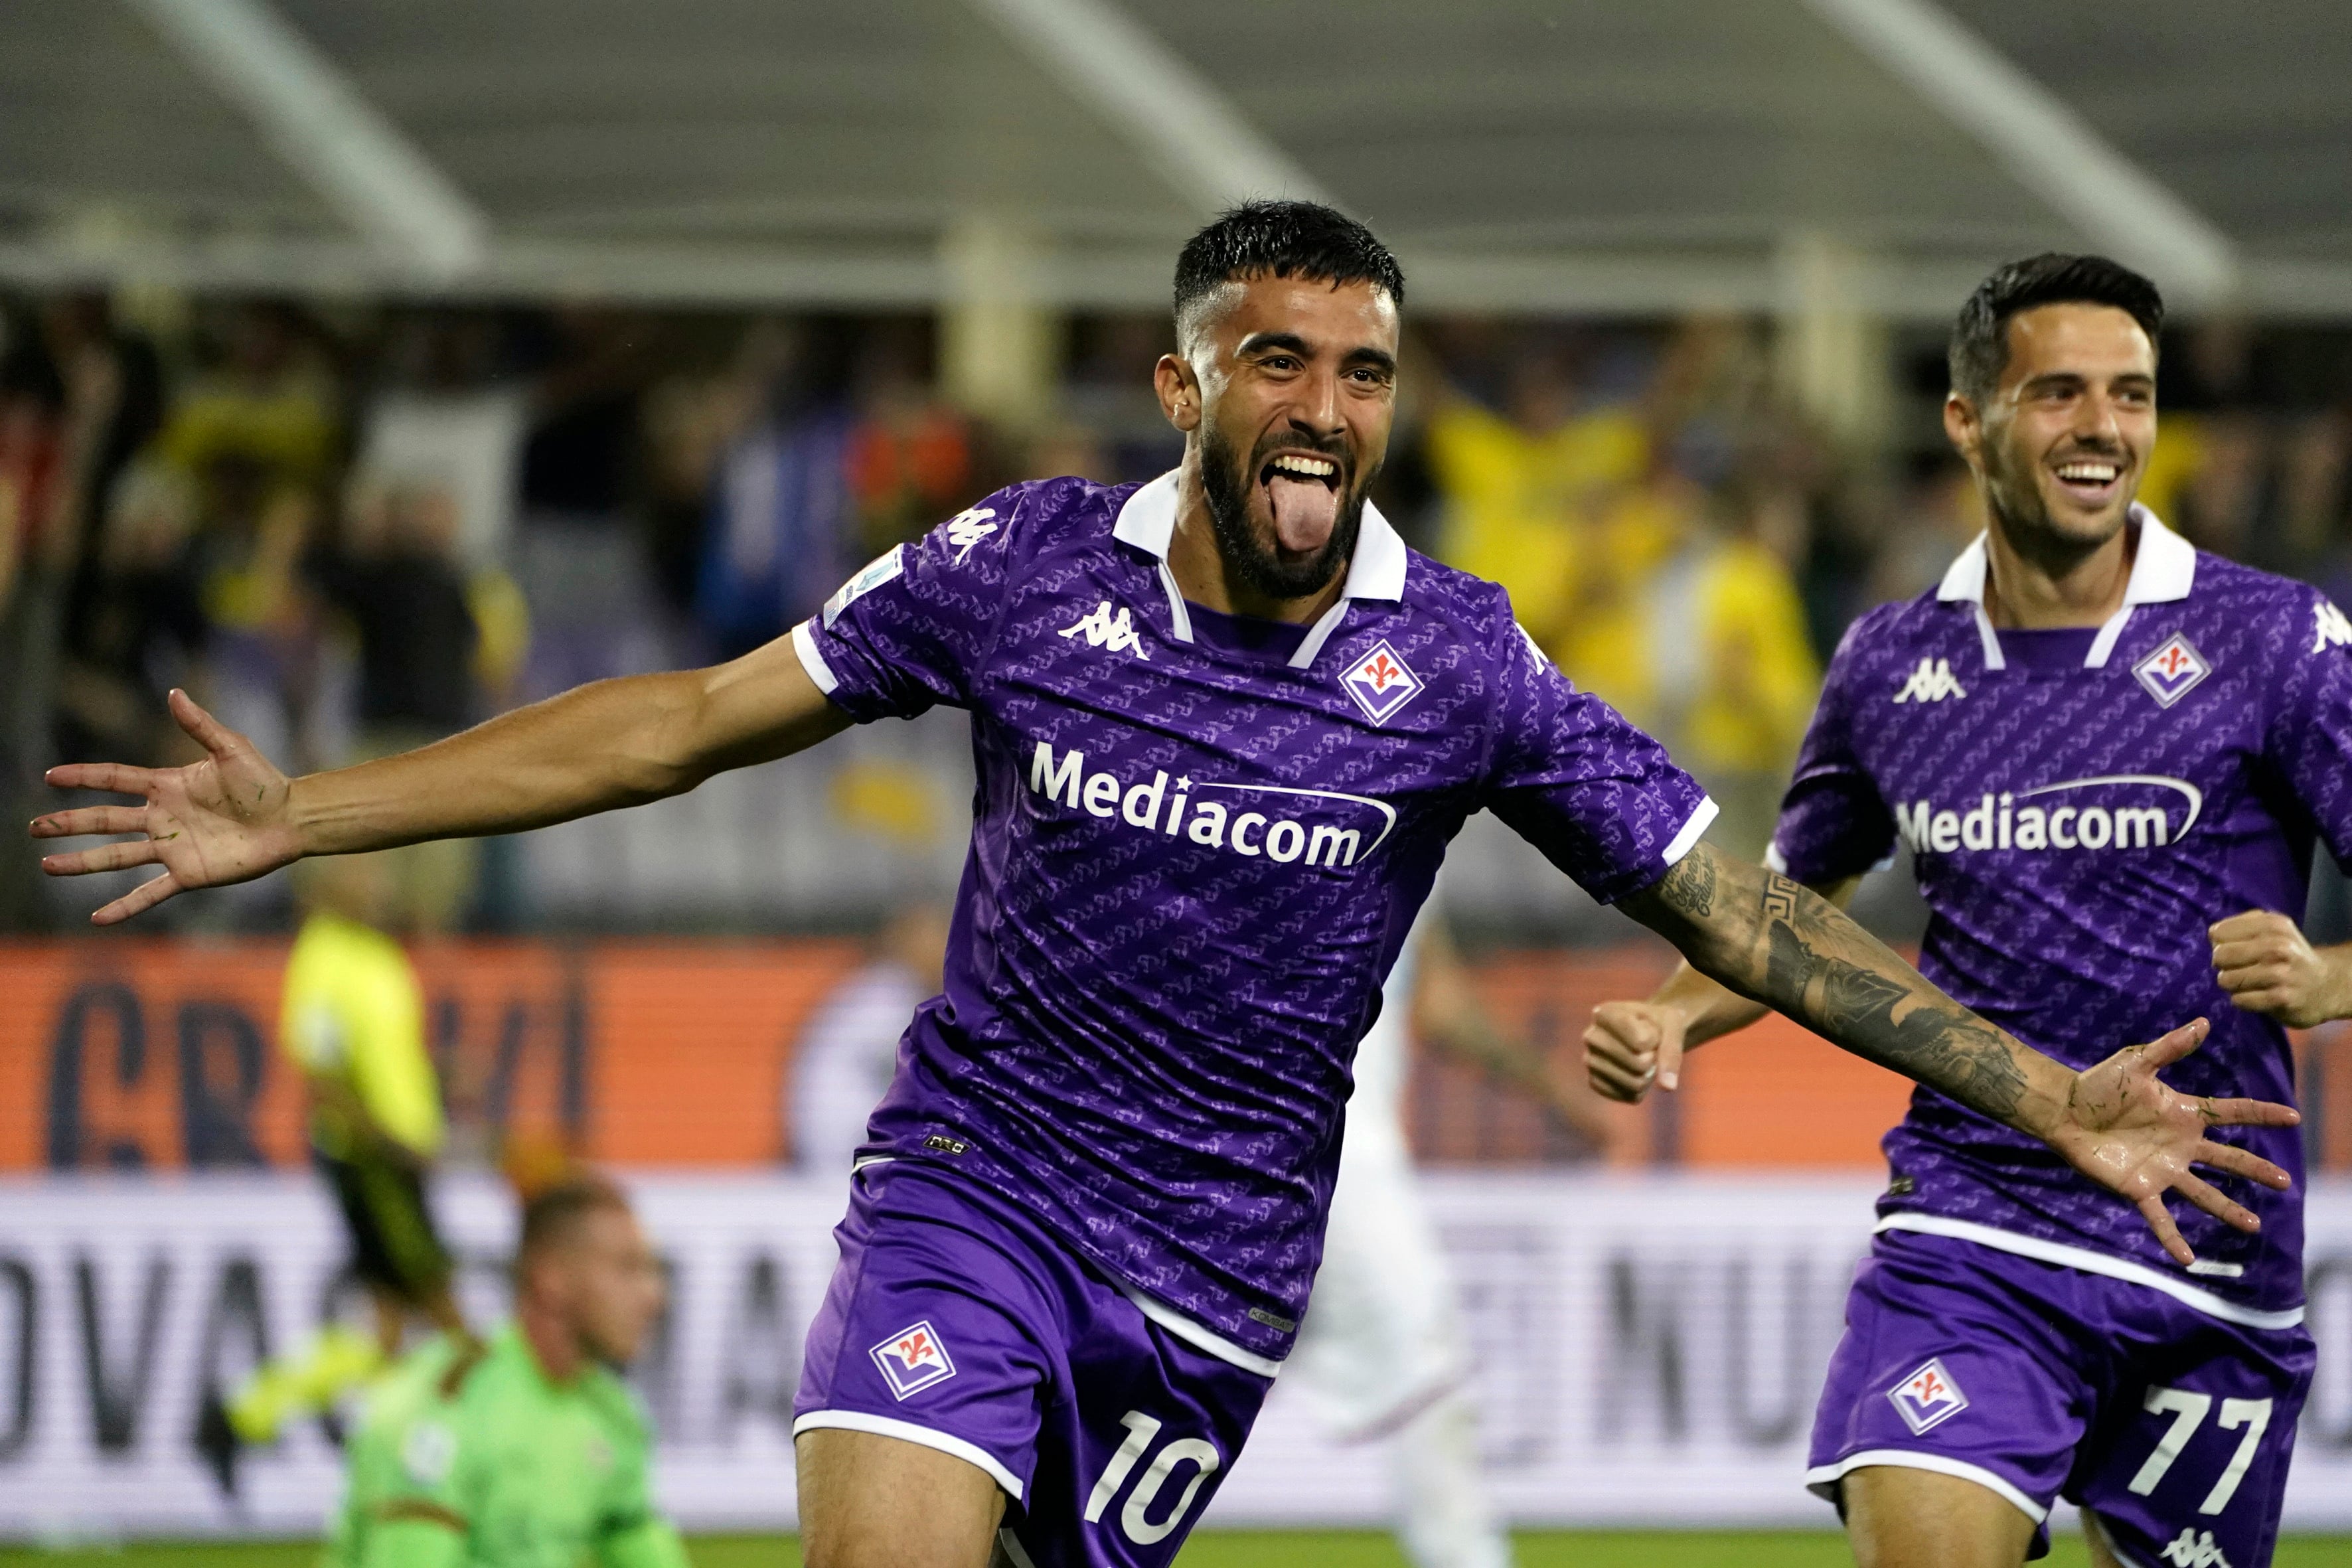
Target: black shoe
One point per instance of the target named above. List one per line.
(217, 1442)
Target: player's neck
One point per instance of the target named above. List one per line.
(552, 1345)
(2030, 589)
(1206, 578)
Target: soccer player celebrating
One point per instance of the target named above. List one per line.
(2110, 755)
(1223, 725)
(525, 1450)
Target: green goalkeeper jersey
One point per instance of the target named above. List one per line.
(468, 1457)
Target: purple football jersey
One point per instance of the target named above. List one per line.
(2081, 806)
(1194, 855)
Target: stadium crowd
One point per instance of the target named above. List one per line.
(351, 529)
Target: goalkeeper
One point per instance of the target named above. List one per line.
(526, 1451)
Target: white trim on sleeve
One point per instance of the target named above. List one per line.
(1201, 1339)
(1826, 1476)
(1701, 818)
(2090, 1262)
(804, 645)
(907, 1432)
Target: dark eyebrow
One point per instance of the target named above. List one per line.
(1265, 342)
(1291, 342)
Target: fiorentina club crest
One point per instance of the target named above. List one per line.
(1927, 1397)
(1380, 683)
(2172, 671)
(912, 1359)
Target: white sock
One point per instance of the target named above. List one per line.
(1443, 1520)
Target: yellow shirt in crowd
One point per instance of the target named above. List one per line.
(1517, 500)
(354, 1015)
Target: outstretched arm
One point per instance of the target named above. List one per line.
(234, 816)
(1768, 939)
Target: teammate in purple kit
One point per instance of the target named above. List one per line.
(1223, 725)
(2097, 743)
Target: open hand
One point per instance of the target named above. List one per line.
(225, 819)
(1633, 1044)
(2268, 966)
(2123, 1128)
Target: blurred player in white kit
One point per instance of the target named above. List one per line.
(1382, 1347)
(848, 1048)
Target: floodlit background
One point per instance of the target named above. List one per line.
(370, 368)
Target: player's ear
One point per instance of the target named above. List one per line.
(1963, 425)
(1178, 389)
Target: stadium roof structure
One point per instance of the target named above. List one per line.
(1573, 155)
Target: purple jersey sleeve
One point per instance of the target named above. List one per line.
(1833, 822)
(1602, 800)
(909, 630)
(2310, 734)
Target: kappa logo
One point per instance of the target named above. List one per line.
(2173, 671)
(912, 1359)
(1380, 683)
(1931, 682)
(966, 528)
(1117, 633)
(2194, 1549)
(2328, 627)
(1929, 1397)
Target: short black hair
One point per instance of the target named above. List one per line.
(1282, 239)
(1980, 346)
(552, 1217)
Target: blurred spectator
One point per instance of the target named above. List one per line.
(138, 630)
(1524, 487)
(444, 421)
(1735, 676)
(580, 458)
(909, 458)
(581, 554)
(262, 415)
(846, 1052)
(430, 641)
(781, 536)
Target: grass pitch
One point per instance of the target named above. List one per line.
(1226, 1548)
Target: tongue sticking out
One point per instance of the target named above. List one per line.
(1304, 511)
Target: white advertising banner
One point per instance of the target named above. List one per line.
(1648, 1350)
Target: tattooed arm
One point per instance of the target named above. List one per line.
(1631, 1045)
(1767, 938)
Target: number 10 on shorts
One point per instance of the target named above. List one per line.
(1135, 1519)
(2189, 1411)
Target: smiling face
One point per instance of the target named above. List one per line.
(2061, 443)
(1287, 388)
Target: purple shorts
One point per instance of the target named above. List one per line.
(2041, 1381)
(955, 1321)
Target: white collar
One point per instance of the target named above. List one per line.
(1148, 521)
(2162, 573)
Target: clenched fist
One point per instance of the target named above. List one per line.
(1633, 1044)
(2266, 965)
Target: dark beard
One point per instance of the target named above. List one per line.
(1224, 484)
(2016, 502)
